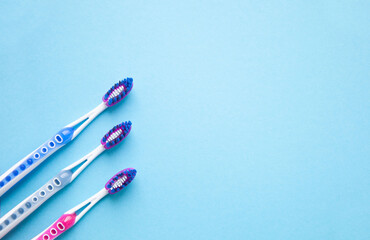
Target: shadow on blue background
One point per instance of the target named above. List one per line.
(250, 118)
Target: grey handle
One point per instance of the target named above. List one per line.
(35, 200)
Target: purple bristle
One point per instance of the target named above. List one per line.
(118, 92)
(120, 180)
(116, 135)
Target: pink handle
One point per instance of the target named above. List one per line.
(65, 222)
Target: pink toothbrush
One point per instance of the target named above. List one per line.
(71, 217)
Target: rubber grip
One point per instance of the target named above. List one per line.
(30, 162)
(65, 222)
(35, 200)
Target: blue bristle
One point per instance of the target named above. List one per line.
(1, 183)
(8, 178)
(30, 161)
(124, 126)
(15, 172)
(23, 167)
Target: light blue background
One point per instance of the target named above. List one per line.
(250, 118)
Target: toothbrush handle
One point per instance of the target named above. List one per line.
(30, 162)
(65, 222)
(35, 200)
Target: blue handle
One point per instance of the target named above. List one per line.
(30, 162)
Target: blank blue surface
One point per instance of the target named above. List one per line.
(250, 118)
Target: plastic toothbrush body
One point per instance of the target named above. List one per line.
(114, 95)
(71, 217)
(61, 180)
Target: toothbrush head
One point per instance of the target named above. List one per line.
(118, 92)
(120, 180)
(116, 135)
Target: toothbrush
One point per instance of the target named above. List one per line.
(114, 95)
(71, 217)
(65, 177)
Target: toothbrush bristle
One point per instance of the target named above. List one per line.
(116, 135)
(120, 180)
(118, 92)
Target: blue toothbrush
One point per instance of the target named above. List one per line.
(114, 95)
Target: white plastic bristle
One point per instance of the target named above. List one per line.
(119, 182)
(114, 135)
(116, 92)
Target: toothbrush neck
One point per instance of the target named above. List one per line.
(86, 119)
(85, 161)
(88, 204)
